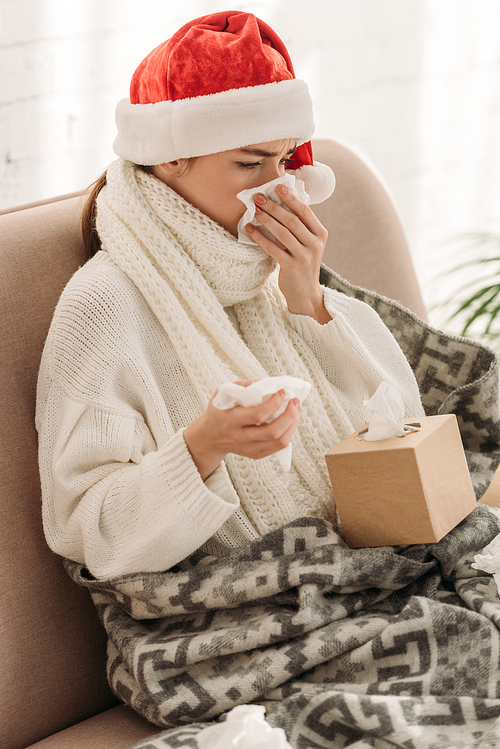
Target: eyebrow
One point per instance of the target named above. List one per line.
(265, 154)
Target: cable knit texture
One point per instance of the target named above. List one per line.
(142, 337)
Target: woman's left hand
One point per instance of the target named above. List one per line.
(304, 239)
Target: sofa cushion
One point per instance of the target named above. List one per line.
(118, 728)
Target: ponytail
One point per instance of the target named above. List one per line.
(91, 240)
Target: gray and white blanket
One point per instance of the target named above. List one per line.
(385, 647)
(364, 648)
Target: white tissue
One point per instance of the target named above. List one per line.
(388, 410)
(244, 728)
(231, 394)
(489, 560)
(296, 187)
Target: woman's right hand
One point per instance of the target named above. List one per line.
(240, 430)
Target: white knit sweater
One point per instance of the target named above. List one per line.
(120, 490)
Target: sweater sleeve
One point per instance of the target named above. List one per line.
(120, 491)
(356, 341)
(115, 502)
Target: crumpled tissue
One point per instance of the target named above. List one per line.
(296, 187)
(388, 410)
(244, 728)
(231, 394)
(489, 560)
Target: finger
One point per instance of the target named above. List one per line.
(287, 228)
(270, 438)
(301, 209)
(300, 221)
(266, 210)
(278, 252)
(239, 417)
(294, 207)
(287, 249)
(264, 411)
(273, 430)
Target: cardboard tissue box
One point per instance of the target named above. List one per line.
(400, 490)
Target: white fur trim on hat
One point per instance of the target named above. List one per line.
(151, 134)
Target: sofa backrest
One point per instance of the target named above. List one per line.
(52, 644)
(366, 244)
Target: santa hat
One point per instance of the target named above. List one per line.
(222, 81)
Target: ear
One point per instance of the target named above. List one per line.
(172, 168)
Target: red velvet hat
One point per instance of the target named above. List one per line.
(222, 81)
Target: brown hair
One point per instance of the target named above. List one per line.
(91, 240)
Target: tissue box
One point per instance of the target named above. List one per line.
(402, 490)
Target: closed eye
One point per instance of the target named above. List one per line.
(253, 164)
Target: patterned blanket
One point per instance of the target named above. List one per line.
(385, 647)
(394, 646)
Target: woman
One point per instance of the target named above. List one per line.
(139, 469)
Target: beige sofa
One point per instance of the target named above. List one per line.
(54, 693)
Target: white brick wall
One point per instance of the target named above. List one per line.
(414, 83)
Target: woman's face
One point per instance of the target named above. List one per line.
(211, 183)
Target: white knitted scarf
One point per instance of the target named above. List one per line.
(189, 268)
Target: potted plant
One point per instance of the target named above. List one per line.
(472, 306)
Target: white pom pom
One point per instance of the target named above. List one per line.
(319, 181)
